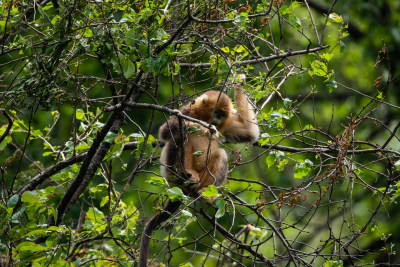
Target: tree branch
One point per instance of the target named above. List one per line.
(239, 243)
(10, 123)
(258, 60)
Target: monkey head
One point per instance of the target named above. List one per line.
(203, 108)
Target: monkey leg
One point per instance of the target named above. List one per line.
(189, 171)
(215, 169)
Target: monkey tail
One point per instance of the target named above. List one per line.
(157, 219)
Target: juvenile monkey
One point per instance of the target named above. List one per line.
(195, 157)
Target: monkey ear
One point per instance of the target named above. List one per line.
(203, 98)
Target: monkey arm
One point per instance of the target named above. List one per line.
(172, 129)
(202, 131)
(242, 127)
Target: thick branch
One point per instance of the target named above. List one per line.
(168, 110)
(50, 171)
(10, 123)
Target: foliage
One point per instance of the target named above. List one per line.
(85, 86)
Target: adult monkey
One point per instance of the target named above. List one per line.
(192, 160)
(203, 162)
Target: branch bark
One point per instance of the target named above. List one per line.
(10, 123)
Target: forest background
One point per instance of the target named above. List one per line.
(85, 86)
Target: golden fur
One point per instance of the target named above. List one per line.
(195, 161)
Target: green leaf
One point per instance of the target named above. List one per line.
(302, 169)
(40, 9)
(319, 68)
(94, 214)
(287, 102)
(264, 139)
(282, 164)
(211, 191)
(110, 137)
(271, 158)
(176, 194)
(12, 201)
(50, 190)
(308, 127)
(51, 240)
(81, 147)
(159, 35)
(220, 203)
(79, 114)
(265, 135)
(331, 84)
(360, 173)
(284, 9)
(296, 4)
(143, 50)
(28, 245)
(55, 213)
(336, 18)
(5, 142)
(128, 67)
(132, 37)
(308, 163)
(136, 135)
(295, 22)
(186, 215)
(198, 153)
(158, 181)
(257, 232)
(225, 49)
(397, 165)
(338, 263)
(17, 214)
(88, 33)
(241, 18)
(99, 188)
(342, 46)
(54, 19)
(192, 129)
(36, 232)
(240, 49)
(326, 56)
(104, 201)
(54, 228)
(156, 64)
(30, 197)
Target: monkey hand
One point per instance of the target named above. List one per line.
(188, 176)
(178, 112)
(214, 132)
(192, 180)
(241, 78)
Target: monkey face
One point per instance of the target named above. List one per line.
(212, 107)
(219, 116)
